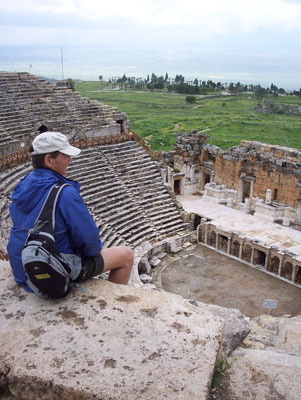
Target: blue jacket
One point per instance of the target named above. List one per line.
(75, 230)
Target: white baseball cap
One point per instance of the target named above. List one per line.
(47, 142)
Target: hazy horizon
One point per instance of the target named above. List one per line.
(250, 41)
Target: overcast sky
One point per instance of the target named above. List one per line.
(247, 28)
(80, 21)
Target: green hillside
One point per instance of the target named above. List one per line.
(157, 115)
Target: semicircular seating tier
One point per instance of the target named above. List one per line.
(123, 190)
(27, 103)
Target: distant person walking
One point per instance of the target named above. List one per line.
(76, 234)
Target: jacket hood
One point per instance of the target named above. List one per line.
(29, 191)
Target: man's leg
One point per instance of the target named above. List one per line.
(119, 261)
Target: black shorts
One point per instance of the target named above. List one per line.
(91, 266)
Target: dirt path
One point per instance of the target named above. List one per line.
(210, 277)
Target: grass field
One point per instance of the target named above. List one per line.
(157, 116)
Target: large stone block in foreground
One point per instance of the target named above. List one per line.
(264, 374)
(114, 342)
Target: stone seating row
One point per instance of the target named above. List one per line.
(10, 177)
(8, 180)
(104, 198)
(124, 213)
(151, 195)
(119, 221)
(27, 98)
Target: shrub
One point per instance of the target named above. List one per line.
(190, 99)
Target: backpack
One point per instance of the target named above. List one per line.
(48, 273)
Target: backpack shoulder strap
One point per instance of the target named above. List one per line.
(47, 212)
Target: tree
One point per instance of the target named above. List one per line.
(100, 77)
(179, 79)
(231, 87)
(153, 77)
(190, 99)
(239, 87)
(260, 92)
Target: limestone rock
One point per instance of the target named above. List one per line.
(154, 261)
(146, 278)
(260, 374)
(172, 247)
(280, 333)
(236, 326)
(114, 342)
(144, 266)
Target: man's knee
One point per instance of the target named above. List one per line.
(129, 256)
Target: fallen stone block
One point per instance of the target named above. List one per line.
(154, 261)
(144, 266)
(146, 278)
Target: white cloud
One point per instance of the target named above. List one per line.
(132, 20)
(37, 7)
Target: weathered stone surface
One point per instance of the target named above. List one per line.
(146, 278)
(172, 247)
(114, 342)
(154, 261)
(282, 334)
(144, 266)
(236, 327)
(260, 374)
(269, 364)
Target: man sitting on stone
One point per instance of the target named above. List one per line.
(75, 231)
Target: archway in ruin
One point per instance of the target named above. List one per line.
(246, 253)
(212, 239)
(177, 186)
(298, 274)
(197, 221)
(222, 243)
(234, 250)
(274, 265)
(259, 257)
(287, 271)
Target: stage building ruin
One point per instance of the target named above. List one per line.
(258, 179)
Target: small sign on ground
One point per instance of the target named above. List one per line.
(270, 304)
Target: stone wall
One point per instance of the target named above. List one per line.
(267, 107)
(251, 168)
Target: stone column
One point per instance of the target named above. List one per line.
(294, 272)
(252, 255)
(299, 211)
(240, 249)
(216, 241)
(267, 256)
(206, 234)
(229, 245)
(280, 265)
(251, 189)
(268, 196)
